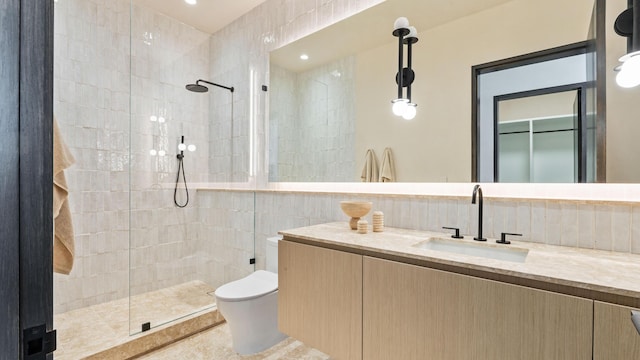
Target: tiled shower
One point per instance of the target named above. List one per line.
(120, 100)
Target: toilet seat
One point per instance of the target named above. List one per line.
(255, 285)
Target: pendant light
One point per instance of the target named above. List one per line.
(627, 24)
(407, 35)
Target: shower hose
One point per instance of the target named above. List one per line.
(184, 179)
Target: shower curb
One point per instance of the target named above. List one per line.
(152, 340)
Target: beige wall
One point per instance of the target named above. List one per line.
(436, 145)
(623, 110)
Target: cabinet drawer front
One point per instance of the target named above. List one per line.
(320, 298)
(614, 336)
(411, 312)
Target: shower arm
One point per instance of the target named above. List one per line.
(214, 84)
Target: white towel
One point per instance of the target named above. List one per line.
(63, 244)
(370, 170)
(387, 171)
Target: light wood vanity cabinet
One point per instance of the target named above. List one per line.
(614, 336)
(412, 312)
(320, 298)
(352, 306)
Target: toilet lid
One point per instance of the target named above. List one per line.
(257, 284)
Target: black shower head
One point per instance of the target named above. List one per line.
(202, 89)
(197, 88)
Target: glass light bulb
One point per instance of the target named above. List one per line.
(153, 152)
(191, 2)
(161, 153)
(191, 148)
(623, 80)
(182, 147)
(629, 75)
(401, 23)
(409, 111)
(413, 33)
(398, 106)
(153, 118)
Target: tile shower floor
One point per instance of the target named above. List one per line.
(215, 344)
(87, 331)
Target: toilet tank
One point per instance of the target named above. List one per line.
(272, 253)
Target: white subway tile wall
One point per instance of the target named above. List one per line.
(321, 99)
(91, 104)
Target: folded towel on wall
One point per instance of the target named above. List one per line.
(370, 169)
(63, 242)
(387, 171)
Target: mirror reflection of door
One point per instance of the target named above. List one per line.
(541, 136)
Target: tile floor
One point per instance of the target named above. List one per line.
(215, 344)
(96, 328)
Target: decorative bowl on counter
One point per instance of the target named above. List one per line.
(356, 210)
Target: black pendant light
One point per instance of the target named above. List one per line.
(407, 35)
(628, 25)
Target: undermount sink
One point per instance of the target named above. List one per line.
(479, 250)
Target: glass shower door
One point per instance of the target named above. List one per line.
(184, 242)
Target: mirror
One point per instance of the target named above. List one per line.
(350, 72)
(565, 69)
(539, 137)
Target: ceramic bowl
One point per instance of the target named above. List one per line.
(355, 210)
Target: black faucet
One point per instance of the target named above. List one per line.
(478, 190)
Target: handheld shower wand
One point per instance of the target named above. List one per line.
(180, 157)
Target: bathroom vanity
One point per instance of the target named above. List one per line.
(392, 295)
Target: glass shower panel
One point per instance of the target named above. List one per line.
(184, 242)
(311, 121)
(299, 101)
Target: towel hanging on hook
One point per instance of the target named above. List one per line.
(387, 171)
(370, 169)
(63, 240)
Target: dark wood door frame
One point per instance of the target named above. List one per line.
(9, 178)
(26, 172)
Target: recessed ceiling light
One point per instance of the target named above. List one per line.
(304, 57)
(191, 2)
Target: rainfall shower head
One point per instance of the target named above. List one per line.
(197, 88)
(202, 89)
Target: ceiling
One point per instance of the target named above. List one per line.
(207, 15)
(372, 28)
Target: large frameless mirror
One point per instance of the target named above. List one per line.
(324, 137)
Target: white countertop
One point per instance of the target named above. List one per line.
(598, 272)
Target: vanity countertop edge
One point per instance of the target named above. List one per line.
(595, 274)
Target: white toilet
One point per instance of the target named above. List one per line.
(250, 306)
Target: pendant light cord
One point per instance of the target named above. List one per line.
(184, 179)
